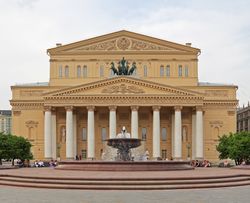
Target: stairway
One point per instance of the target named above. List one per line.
(124, 184)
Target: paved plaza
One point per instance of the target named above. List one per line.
(218, 195)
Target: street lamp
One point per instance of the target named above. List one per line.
(188, 148)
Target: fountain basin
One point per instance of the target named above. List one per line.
(124, 165)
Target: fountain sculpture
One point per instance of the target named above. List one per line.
(123, 143)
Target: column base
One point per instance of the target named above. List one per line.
(48, 158)
(91, 159)
(70, 158)
(199, 158)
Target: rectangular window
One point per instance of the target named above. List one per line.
(168, 71)
(79, 72)
(101, 71)
(144, 133)
(162, 71)
(84, 154)
(66, 71)
(60, 71)
(85, 71)
(186, 71)
(104, 134)
(180, 71)
(164, 134)
(145, 68)
(164, 154)
(84, 134)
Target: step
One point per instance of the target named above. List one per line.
(125, 187)
(124, 182)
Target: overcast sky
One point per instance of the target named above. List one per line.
(221, 29)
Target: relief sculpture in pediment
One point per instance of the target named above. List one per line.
(123, 89)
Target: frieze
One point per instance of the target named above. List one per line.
(216, 93)
(123, 89)
(29, 93)
(124, 43)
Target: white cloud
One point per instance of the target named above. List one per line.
(220, 29)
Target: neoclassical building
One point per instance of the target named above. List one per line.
(162, 102)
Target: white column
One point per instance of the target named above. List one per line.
(112, 121)
(69, 133)
(156, 132)
(199, 134)
(193, 135)
(91, 133)
(172, 134)
(134, 121)
(53, 119)
(75, 134)
(47, 134)
(177, 137)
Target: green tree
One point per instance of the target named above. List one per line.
(235, 146)
(14, 147)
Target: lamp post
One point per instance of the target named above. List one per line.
(188, 148)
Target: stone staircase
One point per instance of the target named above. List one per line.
(131, 183)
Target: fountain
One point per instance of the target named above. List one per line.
(124, 160)
(123, 143)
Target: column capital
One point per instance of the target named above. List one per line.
(47, 108)
(199, 108)
(156, 108)
(134, 108)
(178, 108)
(112, 108)
(90, 108)
(69, 108)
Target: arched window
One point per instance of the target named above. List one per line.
(60, 71)
(186, 71)
(79, 71)
(162, 71)
(145, 70)
(101, 71)
(180, 71)
(164, 134)
(84, 134)
(66, 71)
(168, 71)
(85, 71)
(104, 134)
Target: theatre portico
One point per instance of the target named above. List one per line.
(162, 102)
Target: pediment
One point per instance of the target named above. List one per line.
(122, 41)
(122, 85)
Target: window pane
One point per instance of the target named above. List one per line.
(104, 134)
(101, 71)
(60, 71)
(168, 70)
(144, 133)
(145, 71)
(66, 71)
(85, 71)
(162, 71)
(164, 134)
(78, 71)
(84, 134)
(186, 71)
(180, 71)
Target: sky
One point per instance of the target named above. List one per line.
(221, 29)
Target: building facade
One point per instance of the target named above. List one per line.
(162, 102)
(5, 121)
(243, 119)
